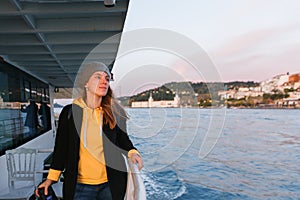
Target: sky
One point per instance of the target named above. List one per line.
(215, 40)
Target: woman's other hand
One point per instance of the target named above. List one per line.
(44, 185)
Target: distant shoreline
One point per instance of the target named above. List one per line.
(260, 108)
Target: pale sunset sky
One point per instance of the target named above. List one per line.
(246, 40)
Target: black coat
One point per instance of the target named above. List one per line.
(32, 115)
(45, 113)
(66, 152)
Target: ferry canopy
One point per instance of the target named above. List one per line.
(50, 38)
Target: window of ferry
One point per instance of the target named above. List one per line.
(24, 107)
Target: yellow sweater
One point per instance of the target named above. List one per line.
(91, 166)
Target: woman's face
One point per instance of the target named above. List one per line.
(98, 84)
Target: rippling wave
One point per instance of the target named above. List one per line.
(256, 157)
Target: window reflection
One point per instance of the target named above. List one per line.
(24, 107)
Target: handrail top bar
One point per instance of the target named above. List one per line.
(45, 150)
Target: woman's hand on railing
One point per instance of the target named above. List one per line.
(136, 158)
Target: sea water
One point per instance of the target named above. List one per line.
(218, 153)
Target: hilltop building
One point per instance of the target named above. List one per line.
(242, 92)
(284, 84)
(281, 82)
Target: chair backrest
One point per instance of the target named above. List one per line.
(21, 165)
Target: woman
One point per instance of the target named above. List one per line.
(91, 138)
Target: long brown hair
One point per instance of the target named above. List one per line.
(112, 110)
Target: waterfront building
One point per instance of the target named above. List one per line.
(175, 103)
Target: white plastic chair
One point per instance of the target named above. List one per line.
(21, 165)
(22, 174)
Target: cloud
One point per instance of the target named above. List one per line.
(242, 44)
(255, 40)
(259, 54)
(258, 67)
